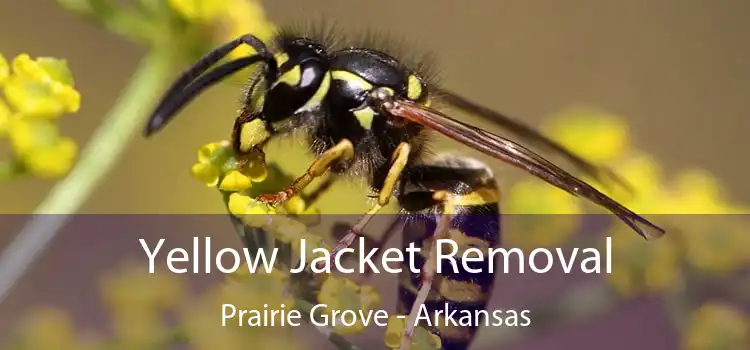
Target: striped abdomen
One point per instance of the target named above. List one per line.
(475, 224)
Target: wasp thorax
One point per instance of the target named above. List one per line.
(381, 99)
(302, 82)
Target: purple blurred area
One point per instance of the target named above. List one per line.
(69, 276)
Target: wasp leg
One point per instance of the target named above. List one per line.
(371, 244)
(429, 269)
(313, 196)
(400, 158)
(342, 151)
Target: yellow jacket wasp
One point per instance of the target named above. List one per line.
(366, 114)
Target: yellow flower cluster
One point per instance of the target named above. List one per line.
(641, 266)
(217, 167)
(421, 340)
(46, 329)
(232, 17)
(714, 237)
(593, 134)
(215, 162)
(248, 292)
(141, 304)
(718, 326)
(603, 139)
(137, 302)
(539, 215)
(36, 93)
(343, 294)
(544, 216)
(685, 204)
(701, 228)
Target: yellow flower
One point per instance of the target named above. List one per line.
(138, 328)
(238, 204)
(204, 332)
(715, 243)
(208, 151)
(41, 88)
(312, 242)
(133, 289)
(49, 329)
(254, 290)
(44, 69)
(310, 217)
(211, 159)
(697, 192)
(295, 205)
(37, 92)
(541, 215)
(250, 211)
(27, 135)
(717, 326)
(640, 266)
(244, 17)
(536, 197)
(235, 181)
(6, 116)
(39, 99)
(206, 173)
(645, 177)
(340, 293)
(199, 10)
(41, 148)
(54, 161)
(422, 339)
(232, 17)
(642, 172)
(4, 69)
(286, 229)
(596, 136)
(216, 161)
(244, 276)
(220, 21)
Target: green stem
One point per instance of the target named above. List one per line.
(122, 123)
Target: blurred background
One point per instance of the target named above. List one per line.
(675, 71)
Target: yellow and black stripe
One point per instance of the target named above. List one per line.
(475, 224)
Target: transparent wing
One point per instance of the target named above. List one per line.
(519, 156)
(532, 136)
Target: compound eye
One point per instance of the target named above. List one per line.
(416, 90)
